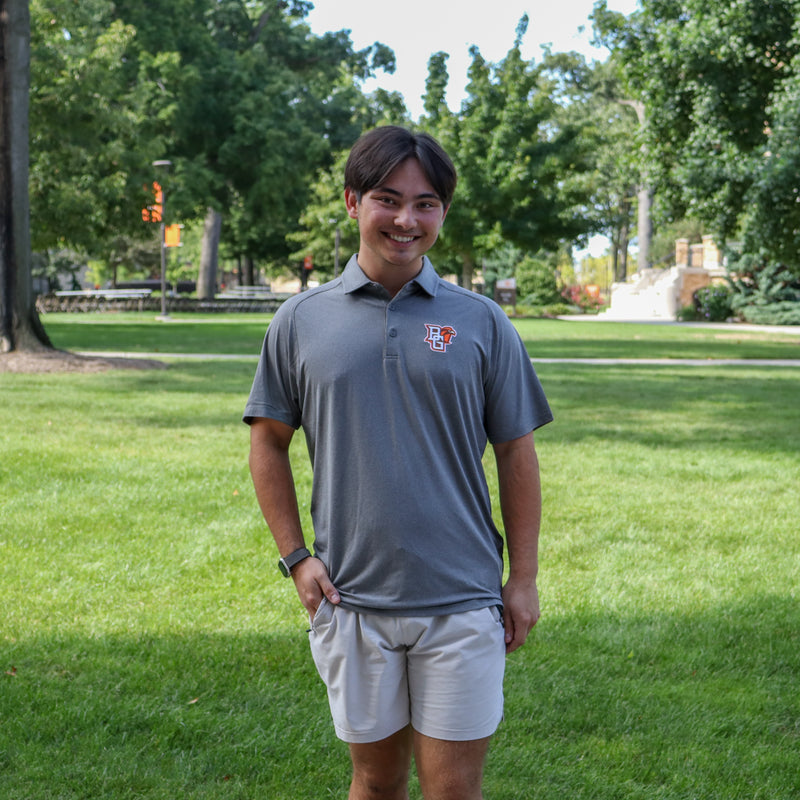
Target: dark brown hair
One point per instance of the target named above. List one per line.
(380, 151)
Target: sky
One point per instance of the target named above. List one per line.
(415, 29)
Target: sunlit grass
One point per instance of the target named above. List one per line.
(242, 334)
(149, 648)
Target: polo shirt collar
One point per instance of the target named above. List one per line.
(353, 277)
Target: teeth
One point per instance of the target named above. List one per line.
(401, 239)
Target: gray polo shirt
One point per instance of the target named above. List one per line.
(397, 397)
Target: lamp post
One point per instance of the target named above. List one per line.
(163, 164)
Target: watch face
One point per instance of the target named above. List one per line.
(284, 569)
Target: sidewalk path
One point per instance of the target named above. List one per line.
(731, 327)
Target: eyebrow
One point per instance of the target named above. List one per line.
(423, 196)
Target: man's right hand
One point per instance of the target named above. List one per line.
(312, 583)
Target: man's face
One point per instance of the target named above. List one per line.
(399, 222)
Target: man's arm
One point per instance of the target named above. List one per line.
(521, 506)
(274, 484)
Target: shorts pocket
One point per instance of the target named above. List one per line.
(323, 615)
(497, 615)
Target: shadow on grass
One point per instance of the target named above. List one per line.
(670, 705)
(735, 407)
(194, 715)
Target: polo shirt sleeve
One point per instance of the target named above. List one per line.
(274, 392)
(515, 400)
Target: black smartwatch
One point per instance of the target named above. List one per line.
(285, 565)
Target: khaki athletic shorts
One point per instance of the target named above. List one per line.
(443, 674)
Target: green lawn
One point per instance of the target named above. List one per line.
(149, 648)
(242, 334)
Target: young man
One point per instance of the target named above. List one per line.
(399, 379)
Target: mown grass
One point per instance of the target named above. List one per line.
(149, 649)
(242, 335)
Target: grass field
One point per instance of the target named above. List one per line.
(242, 335)
(149, 648)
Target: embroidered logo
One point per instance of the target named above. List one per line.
(439, 336)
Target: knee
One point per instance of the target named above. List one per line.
(370, 785)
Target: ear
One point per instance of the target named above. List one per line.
(444, 214)
(351, 202)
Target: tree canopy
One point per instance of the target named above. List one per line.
(240, 96)
(719, 83)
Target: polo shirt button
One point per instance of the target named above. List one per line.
(392, 331)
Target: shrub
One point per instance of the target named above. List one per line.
(688, 314)
(786, 313)
(713, 303)
(579, 297)
(537, 282)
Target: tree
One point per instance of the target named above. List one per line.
(97, 120)
(20, 328)
(771, 225)
(324, 225)
(710, 74)
(514, 156)
(239, 95)
(264, 104)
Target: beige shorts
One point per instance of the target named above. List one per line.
(443, 675)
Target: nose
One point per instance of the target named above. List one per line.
(404, 218)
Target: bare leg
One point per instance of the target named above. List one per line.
(450, 770)
(380, 769)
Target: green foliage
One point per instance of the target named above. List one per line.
(91, 138)
(763, 292)
(515, 156)
(713, 303)
(688, 314)
(772, 221)
(719, 82)
(241, 97)
(595, 270)
(662, 249)
(785, 313)
(537, 282)
(758, 282)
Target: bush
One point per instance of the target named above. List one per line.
(787, 313)
(578, 296)
(537, 282)
(713, 303)
(533, 310)
(688, 314)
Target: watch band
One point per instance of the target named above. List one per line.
(287, 563)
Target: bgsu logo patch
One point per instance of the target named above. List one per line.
(439, 336)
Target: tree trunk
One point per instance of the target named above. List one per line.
(207, 278)
(249, 278)
(467, 271)
(20, 327)
(644, 219)
(621, 272)
(614, 249)
(645, 228)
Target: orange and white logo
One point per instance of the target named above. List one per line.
(439, 336)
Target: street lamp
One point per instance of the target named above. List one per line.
(163, 164)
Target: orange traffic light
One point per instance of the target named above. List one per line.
(155, 212)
